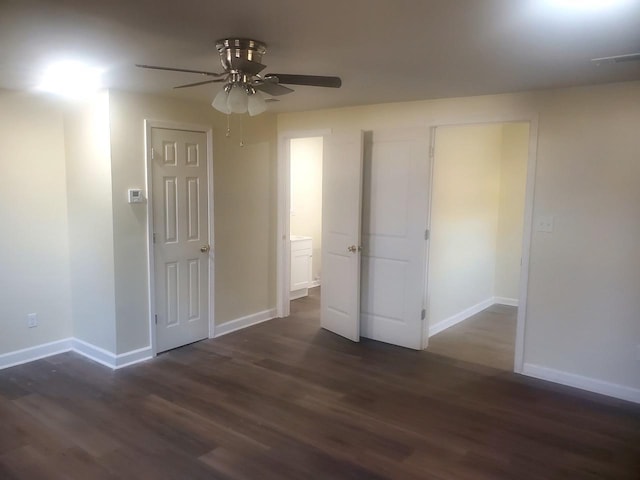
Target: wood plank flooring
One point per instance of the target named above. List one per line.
(487, 338)
(285, 399)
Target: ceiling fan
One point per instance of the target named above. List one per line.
(240, 58)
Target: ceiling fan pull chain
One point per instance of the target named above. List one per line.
(228, 132)
(241, 133)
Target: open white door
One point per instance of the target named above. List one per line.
(395, 214)
(341, 212)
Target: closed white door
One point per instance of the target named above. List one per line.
(341, 213)
(394, 220)
(181, 236)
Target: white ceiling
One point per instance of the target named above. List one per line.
(384, 50)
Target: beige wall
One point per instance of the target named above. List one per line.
(34, 250)
(464, 219)
(245, 210)
(513, 180)
(88, 161)
(477, 213)
(306, 194)
(583, 303)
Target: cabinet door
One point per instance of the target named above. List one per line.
(300, 268)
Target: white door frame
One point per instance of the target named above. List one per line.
(148, 125)
(532, 120)
(283, 250)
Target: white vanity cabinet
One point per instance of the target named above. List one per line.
(301, 256)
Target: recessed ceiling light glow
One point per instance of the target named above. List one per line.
(585, 4)
(71, 79)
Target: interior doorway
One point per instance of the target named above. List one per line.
(305, 215)
(477, 225)
(299, 262)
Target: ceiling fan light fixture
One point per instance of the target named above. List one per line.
(220, 102)
(238, 101)
(256, 104)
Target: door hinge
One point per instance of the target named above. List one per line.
(432, 151)
(427, 234)
(156, 317)
(423, 314)
(154, 237)
(153, 154)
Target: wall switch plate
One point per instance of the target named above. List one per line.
(544, 223)
(32, 320)
(135, 195)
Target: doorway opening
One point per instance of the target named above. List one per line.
(476, 241)
(305, 215)
(299, 218)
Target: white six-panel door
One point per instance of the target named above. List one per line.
(394, 219)
(341, 212)
(181, 236)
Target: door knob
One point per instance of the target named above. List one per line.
(352, 248)
(205, 248)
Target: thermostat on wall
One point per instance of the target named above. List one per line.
(135, 195)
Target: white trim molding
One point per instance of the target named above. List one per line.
(108, 359)
(30, 354)
(511, 302)
(244, 322)
(584, 383)
(134, 356)
(92, 352)
(460, 317)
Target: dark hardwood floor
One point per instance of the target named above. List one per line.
(487, 338)
(285, 399)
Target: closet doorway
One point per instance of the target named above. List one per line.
(477, 222)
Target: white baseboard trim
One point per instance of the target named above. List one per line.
(133, 356)
(584, 383)
(512, 302)
(109, 359)
(30, 354)
(459, 317)
(296, 294)
(244, 322)
(315, 283)
(92, 352)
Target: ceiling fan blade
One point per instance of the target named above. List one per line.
(310, 80)
(215, 80)
(154, 67)
(247, 66)
(272, 88)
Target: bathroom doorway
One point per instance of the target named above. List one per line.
(300, 262)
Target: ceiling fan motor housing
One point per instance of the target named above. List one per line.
(236, 52)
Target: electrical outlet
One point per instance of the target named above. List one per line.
(32, 320)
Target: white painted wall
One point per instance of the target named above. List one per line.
(513, 180)
(584, 278)
(90, 217)
(464, 219)
(245, 210)
(34, 249)
(306, 194)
